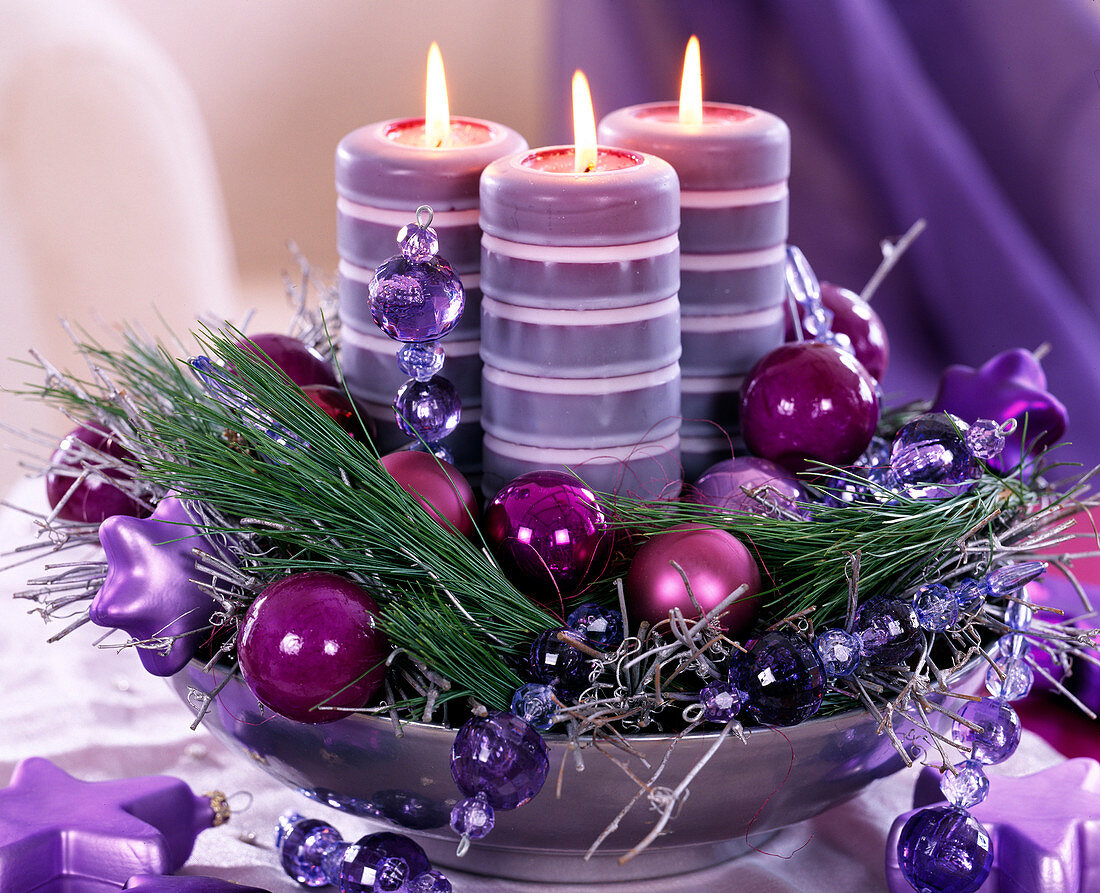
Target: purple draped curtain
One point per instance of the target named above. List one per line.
(983, 118)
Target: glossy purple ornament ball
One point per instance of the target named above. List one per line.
(944, 849)
(337, 405)
(438, 486)
(716, 563)
(549, 534)
(500, 756)
(854, 317)
(95, 499)
(309, 638)
(301, 365)
(724, 486)
(808, 402)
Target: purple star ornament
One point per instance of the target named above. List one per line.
(94, 835)
(155, 883)
(1012, 385)
(1045, 829)
(148, 591)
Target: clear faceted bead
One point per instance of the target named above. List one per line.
(416, 301)
(439, 450)
(1000, 730)
(418, 243)
(1010, 645)
(535, 703)
(473, 817)
(429, 409)
(818, 321)
(305, 849)
(421, 361)
(1018, 614)
(877, 454)
(430, 882)
(985, 439)
(1017, 682)
(971, 594)
(967, 786)
(936, 607)
(839, 651)
(721, 702)
(943, 849)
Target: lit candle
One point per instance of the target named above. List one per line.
(580, 319)
(733, 162)
(384, 171)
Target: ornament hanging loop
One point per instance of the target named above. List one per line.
(428, 215)
(219, 804)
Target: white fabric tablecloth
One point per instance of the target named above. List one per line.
(98, 715)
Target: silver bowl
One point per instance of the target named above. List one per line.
(740, 798)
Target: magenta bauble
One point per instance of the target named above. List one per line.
(725, 483)
(716, 563)
(95, 498)
(808, 402)
(856, 319)
(549, 534)
(302, 365)
(337, 405)
(312, 638)
(438, 486)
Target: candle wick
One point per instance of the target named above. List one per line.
(591, 166)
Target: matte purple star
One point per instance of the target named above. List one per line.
(151, 883)
(148, 592)
(1010, 386)
(54, 826)
(1045, 829)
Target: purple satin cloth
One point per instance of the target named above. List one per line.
(981, 118)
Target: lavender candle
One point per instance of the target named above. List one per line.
(384, 171)
(580, 320)
(733, 162)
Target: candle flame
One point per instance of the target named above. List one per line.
(691, 86)
(437, 112)
(584, 125)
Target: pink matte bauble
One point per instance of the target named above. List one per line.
(723, 486)
(302, 365)
(310, 638)
(854, 317)
(716, 563)
(808, 402)
(438, 486)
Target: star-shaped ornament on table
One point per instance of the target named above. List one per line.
(1045, 829)
(150, 590)
(60, 833)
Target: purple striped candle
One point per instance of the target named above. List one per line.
(580, 319)
(384, 171)
(733, 169)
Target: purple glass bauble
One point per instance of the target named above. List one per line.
(781, 678)
(304, 846)
(336, 404)
(1000, 730)
(1012, 385)
(724, 486)
(438, 486)
(602, 627)
(558, 663)
(549, 534)
(944, 850)
(888, 629)
(430, 882)
(302, 365)
(716, 563)
(473, 817)
(416, 301)
(929, 457)
(310, 638)
(808, 402)
(854, 317)
(501, 756)
(429, 410)
(95, 499)
(366, 863)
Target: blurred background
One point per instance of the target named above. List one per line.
(157, 156)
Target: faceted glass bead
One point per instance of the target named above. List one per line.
(602, 627)
(1010, 645)
(1008, 579)
(817, 322)
(889, 630)
(374, 861)
(985, 439)
(839, 651)
(930, 459)
(438, 450)
(473, 817)
(943, 849)
(535, 703)
(418, 243)
(502, 756)
(429, 410)
(556, 662)
(967, 786)
(720, 701)
(421, 361)
(876, 455)
(971, 594)
(1000, 730)
(1017, 682)
(416, 301)
(430, 882)
(303, 845)
(781, 678)
(936, 607)
(1018, 614)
